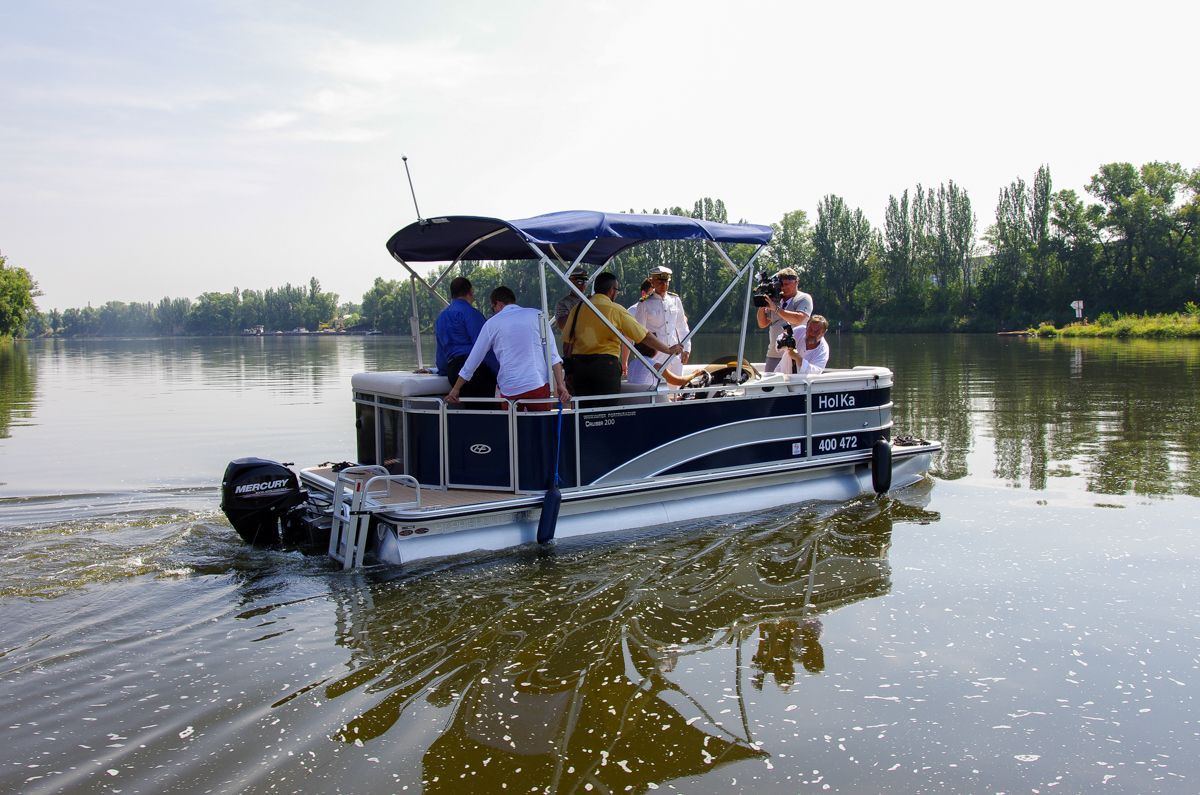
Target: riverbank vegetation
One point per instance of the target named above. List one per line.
(1163, 326)
(1129, 250)
(17, 293)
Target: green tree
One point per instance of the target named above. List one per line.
(37, 325)
(899, 250)
(1011, 239)
(961, 223)
(1074, 245)
(17, 291)
(320, 308)
(170, 316)
(1146, 221)
(843, 241)
(252, 309)
(791, 245)
(213, 314)
(383, 306)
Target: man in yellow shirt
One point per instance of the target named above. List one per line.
(595, 350)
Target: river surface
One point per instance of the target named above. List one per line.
(1025, 620)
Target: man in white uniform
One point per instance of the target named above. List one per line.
(662, 314)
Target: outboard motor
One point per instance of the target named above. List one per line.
(260, 497)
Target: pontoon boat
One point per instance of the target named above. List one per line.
(434, 479)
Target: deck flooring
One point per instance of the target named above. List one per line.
(399, 494)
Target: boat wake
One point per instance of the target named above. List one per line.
(55, 545)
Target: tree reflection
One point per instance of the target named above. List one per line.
(575, 670)
(18, 385)
(1120, 414)
(933, 390)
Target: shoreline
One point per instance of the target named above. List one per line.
(1175, 325)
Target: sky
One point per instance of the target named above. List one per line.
(152, 149)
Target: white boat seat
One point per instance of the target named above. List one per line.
(400, 384)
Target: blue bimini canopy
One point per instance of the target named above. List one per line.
(464, 237)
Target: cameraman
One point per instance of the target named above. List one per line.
(809, 353)
(793, 309)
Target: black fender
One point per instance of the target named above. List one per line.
(881, 466)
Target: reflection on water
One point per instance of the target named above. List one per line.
(588, 671)
(1120, 415)
(18, 384)
(1123, 415)
(871, 646)
(124, 416)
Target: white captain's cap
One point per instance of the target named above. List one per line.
(660, 270)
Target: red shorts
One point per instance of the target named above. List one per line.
(542, 391)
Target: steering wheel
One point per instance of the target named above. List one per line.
(700, 380)
(728, 374)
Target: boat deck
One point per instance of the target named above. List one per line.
(399, 494)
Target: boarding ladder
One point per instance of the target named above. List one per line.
(354, 503)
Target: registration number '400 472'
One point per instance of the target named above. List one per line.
(837, 444)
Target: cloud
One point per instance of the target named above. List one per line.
(440, 63)
(344, 101)
(272, 120)
(340, 135)
(352, 88)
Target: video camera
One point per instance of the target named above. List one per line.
(786, 339)
(767, 286)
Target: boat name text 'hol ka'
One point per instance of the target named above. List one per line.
(841, 400)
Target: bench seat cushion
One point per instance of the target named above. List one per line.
(400, 384)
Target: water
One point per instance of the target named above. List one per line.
(1025, 620)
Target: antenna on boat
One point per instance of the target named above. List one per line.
(411, 190)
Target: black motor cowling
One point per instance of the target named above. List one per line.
(261, 498)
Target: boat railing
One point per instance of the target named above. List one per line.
(485, 444)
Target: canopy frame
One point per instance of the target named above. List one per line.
(627, 229)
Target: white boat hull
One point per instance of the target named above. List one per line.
(624, 510)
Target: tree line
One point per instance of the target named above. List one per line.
(212, 314)
(1131, 248)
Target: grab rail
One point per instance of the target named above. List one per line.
(407, 480)
(351, 526)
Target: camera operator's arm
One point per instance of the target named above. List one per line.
(764, 314)
(793, 317)
(790, 316)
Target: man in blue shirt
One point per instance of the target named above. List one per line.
(457, 328)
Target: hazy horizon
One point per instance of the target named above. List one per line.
(169, 149)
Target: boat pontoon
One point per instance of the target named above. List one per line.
(434, 479)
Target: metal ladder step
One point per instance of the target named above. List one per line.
(353, 509)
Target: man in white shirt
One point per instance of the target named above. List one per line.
(793, 309)
(516, 335)
(661, 312)
(810, 354)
